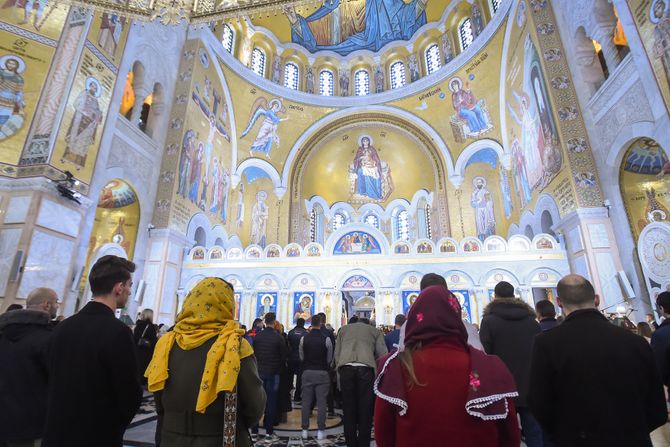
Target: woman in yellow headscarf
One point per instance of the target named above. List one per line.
(204, 374)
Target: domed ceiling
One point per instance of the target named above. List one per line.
(344, 26)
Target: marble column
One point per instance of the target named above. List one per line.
(593, 253)
(604, 34)
(162, 271)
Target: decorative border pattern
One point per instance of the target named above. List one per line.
(27, 34)
(102, 57)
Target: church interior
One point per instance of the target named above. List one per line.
(323, 159)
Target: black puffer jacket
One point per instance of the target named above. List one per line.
(270, 349)
(507, 330)
(24, 343)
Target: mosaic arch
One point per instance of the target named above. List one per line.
(644, 179)
(364, 159)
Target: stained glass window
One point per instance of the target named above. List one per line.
(228, 38)
(372, 220)
(397, 74)
(494, 5)
(291, 76)
(258, 61)
(401, 225)
(339, 219)
(362, 83)
(326, 83)
(433, 59)
(465, 33)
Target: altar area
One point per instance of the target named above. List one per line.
(373, 279)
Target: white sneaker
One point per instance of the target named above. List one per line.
(305, 434)
(320, 435)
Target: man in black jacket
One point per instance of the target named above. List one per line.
(24, 343)
(94, 389)
(592, 383)
(294, 364)
(316, 353)
(507, 330)
(270, 349)
(660, 339)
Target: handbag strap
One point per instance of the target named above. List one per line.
(144, 331)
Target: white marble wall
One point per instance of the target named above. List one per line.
(9, 242)
(47, 264)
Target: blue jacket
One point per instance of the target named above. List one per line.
(392, 339)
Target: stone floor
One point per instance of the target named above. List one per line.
(142, 430)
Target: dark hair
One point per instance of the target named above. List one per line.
(545, 308)
(644, 329)
(243, 327)
(663, 301)
(432, 279)
(353, 319)
(322, 316)
(256, 322)
(316, 320)
(107, 272)
(13, 307)
(300, 322)
(575, 290)
(270, 318)
(504, 290)
(400, 319)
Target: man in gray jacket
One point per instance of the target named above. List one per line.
(357, 347)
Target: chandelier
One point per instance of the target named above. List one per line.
(193, 12)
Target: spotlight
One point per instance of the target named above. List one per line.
(66, 187)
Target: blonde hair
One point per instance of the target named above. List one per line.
(407, 363)
(147, 314)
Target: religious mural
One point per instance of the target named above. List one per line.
(652, 18)
(357, 243)
(266, 302)
(464, 298)
(199, 143)
(34, 16)
(303, 306)
(645, 184)
(369, 176)
(80, 131)
(472, 119)
(267, 131)
(344, 27)
(408, 298)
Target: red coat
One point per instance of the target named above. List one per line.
(436, 414)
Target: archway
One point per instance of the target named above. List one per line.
(358, 297)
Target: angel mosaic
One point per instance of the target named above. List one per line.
(267, 133)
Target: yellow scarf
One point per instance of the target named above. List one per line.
(207, 311)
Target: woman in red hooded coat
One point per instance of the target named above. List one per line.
(435, 390)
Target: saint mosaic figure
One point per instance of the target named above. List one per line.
(660, 16)
(303, 308)
(267, 133)
(259, 219)
(11, 95)
(483, 204)
(468, 109)
(309, 81)
(372, 177)
(111, 28)
(185, 162)
(413, 65)
(84, 125)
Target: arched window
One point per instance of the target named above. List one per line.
(465, 33)
(423, 220)
(433, 59)
(398, 74)
(372, 220)
(291, 76)
(339, 220)
(362, 83)
(326, 83)
(228, 38)
(258, 61)
(400, 225)
(316, 224)
(494, 5)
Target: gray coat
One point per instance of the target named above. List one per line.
(180, 425)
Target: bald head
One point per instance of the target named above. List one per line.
(43, 299)
(576, 292)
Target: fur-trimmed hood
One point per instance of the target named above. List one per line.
(15, 324)
(509, 309)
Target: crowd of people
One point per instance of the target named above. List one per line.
(434, 379)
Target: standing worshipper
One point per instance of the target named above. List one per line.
(94, 390)
(294, 362)
(270, 349)
(145, 337)
(593, 384)
(438, 390)
(546, 314)
(316, 353)
(356, 350)
(24, 343)
(393, 338)
(507, 330)
(197, 365)
(660, 339)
